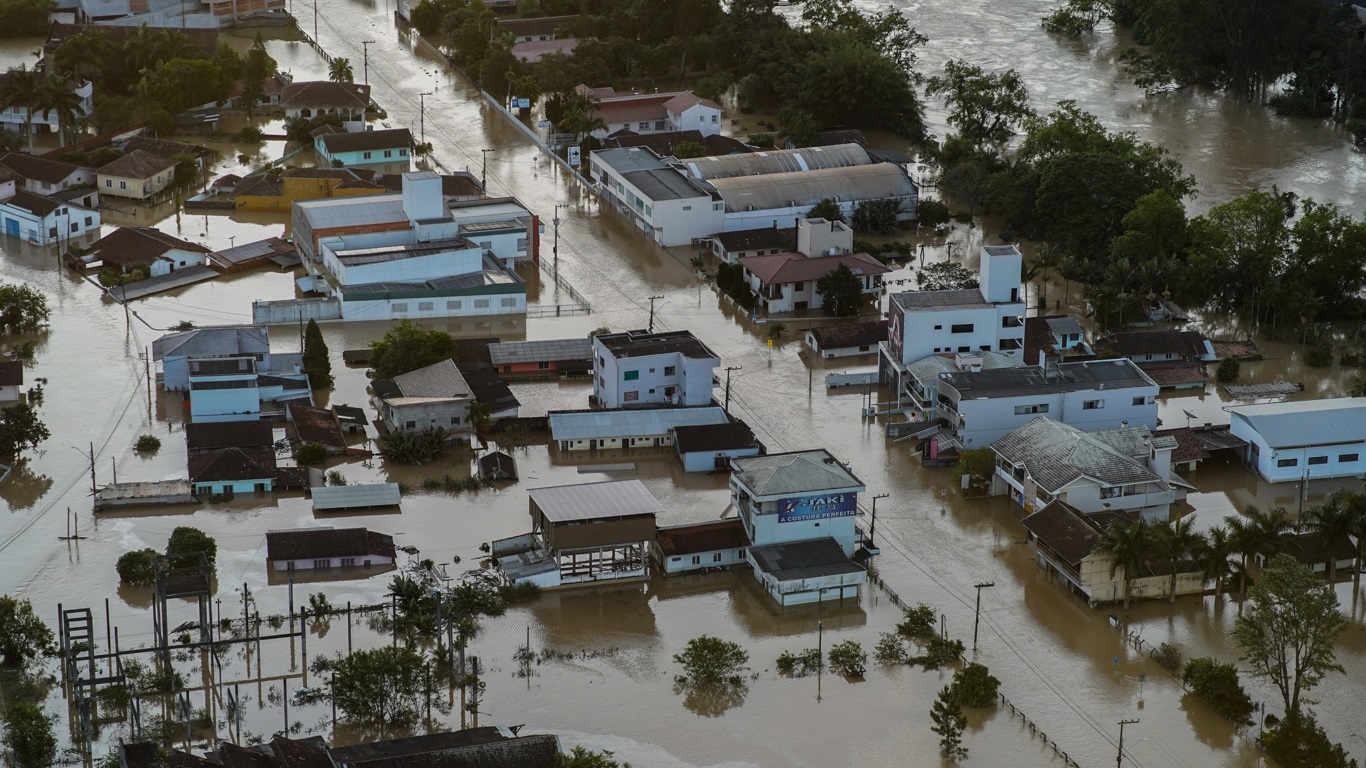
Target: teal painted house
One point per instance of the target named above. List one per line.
(386, 151)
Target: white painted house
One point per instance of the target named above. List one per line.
(306, 549)
(786, 282)
(638, 368)
(981, 406)
(16, 118)
(652, 112)
(1124, 469)
(129, 247)
(700, 546)
(45, 221)
(45, 176)
(1304, 439)
(436, 396)
(11, 380)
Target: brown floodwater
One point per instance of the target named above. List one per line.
(1059, 662)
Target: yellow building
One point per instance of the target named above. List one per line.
(278, 191)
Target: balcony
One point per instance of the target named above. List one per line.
(1012, 322)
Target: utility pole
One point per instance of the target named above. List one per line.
(651, 328)
(820, 656)
(978, 617)
(730, 368)
(1119, 759)
(872, 527)
(365, 53)
(422, 116)
(555, 249)
(484, 171)
(93, 489)
(315, 24)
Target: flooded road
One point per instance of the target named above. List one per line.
(1059, 661)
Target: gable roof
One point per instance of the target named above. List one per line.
(494, 462)
(316, 425)
(228, 434)
(126, 246)
(324, 543)
(777, 268)
(11, 373)
(542, 25)
(1054, 454)
(1313, 549)
(138, 164)
(687, 100)
(1338, 420)
(324, 93)
(164, 147)
(1189, 446)
(38, 168)
(787, 474)
(217, 341)
(38, 205)
(666, 142)
(850, 335)
(1065, 530)
(1129, 343)
(441, 380)
(230, 464)
(702, 537)
(358, 141)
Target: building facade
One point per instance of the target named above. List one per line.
(44, 221)
(1303, 440)
(637, 368)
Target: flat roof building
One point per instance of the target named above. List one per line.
(638, 368)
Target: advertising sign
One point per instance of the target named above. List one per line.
(523, 103)
(575, 155)
(804, 508)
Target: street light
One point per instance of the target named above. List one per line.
(730, 368)
(422, 116)
(872, 527)
(365, 52)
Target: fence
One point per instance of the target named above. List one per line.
(294, 311)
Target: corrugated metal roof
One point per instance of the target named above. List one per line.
(1307, 422)
(785, 474)
(600, 425)
(550, 350)
(779, 161)
(1054, 454)
(806, 188)
(211, 342)
(352, 211)
(355, 496)
(588, 501)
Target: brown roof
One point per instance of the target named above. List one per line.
(544, 25)
(11, 373)
(1169, 373)
(1188, 444)
(1064, 530)
(797, 267)
(1313, 549)
(178, 759)
(228, 434)
(38, 205)
(292, 753)
(1038, 340)
(359, 141)
(234, 756)
(1129, 343)
(227, 180)
(322, 543)
(325, 129)
(263, 184)
(713, 437)
(163, 147)
(853, 335)
(664, 144)
(687, 100)
(316, 425)
(204, 39)
(38, 168)
(328, 173)
(325, 93)
(630, 108)
(703, 537)
(765, 239)
(229, 464)
(126, 246)
(8, 175)
(138, 164)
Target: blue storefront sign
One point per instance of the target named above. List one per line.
(817, 507)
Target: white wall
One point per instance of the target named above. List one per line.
(691, 379)
(333, 562)
(760, 519)
(435, 306)
(986, 420)
(668, 222)
(721, 558)
(698, 117)
(176, 258)
(1268, 461)
(214, 405)
(409, 270)
(930, 332)
(70, 221)
(450, 415)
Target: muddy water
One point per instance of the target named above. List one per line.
(1059, 661)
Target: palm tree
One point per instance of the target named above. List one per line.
(1128, 547)
(81, 53)
(20, 89)
(777, 332)
(1334, 518)
(1357, 386)
(1215, 555)
(1176, 541)
(56, 95)
(339, 71)
(1258, 533)
(1356, 502)
(479, 415)
(140, 49)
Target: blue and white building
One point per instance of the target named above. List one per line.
(1303, 440)
(638, 368)
(45, 221)
(229, 372)
(388, 151)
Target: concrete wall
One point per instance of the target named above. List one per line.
(931, 332)
(450, 415)
(720, 558)
(134, 189)
(409, 270)
(698, 117)
(176, 258)
(512, 302)
(215, 405)
(705, 461)
(294, 310)
(238, 487)
(761, 524)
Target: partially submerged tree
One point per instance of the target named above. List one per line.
(1127, 547)
(975, 686)
(137, 568)
(20, 430)
(1217, 684)
(29, 736)
(407, 347)
(985, 108)
(381, 685)
(709, 660)
(317, 363)
(848, 658)
(22, 308)
(185, 540)
(23, 636)
(841, 292)
(949, 722)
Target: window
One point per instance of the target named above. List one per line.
(965, 349)
(366, 155)
(401, 306)
(123, 185)
(455, 421)
(1092, 405)
(1318, 460)
(403, 153)
(481, 303)
(1024, 410)
(388, 153)
(291, 565)
(88, 221)
(1140, 400)
(687, 207)
(649, 210)
(412, 425)
(718, 206)
(696, 559)
(714, 117)
(452, 305)
(939, 327)
(716, 558)
(799, 286)
(1347, 458)
(961, 328)
(630, 375)
(348, 562)
(508, 302)
(645, 125)
(51, 231)
(670, 370)
(521, 244)
(75, 228)
(543, 365)
(425, 306)
(659, 125)
(1288, 463)
(322, 563)
(630, 395)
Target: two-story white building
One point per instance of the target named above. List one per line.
(652, 112)
(45, 221)
(786, 282)
(1303, 439)
(920, 398)
(16, 117)
(436, 396)
(1125, 469)
(638, 368)
(988, 318)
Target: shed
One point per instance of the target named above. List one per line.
(710, 447)
(497, 466)
(334, 497)
(542, 358)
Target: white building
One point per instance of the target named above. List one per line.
(920, 395)
(637, 368)
(659, 200)
(11, 380)
(700, 547)
(633, 428)
(229, 371)
(989, 318)
(15, 117)
(427, 398)
(849, 340)
(652, 112)
(320, 548)
(1304, 439)
(45, 221)
(981, 406)
(786, 282)
(45, 176)
(1124, 469)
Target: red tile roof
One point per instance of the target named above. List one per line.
(1188, 444)
(798, 267)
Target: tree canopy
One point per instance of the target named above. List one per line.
(407, 347)
(185, 539)
(841, 292)
(317, 362)
(20, 430)
(381, 685)
(22, 308)
(29, 736)
(23, 636)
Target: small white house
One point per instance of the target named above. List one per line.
(638, 368)
(45, 221)
(427, 398)
(699, 547)
(11, 380)
(594, 430)
(45, 176)
(1304, 439)
(710, 447)
(321, 548)
(129, 247)
(847, 340)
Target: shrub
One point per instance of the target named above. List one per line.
(147, 444)
(521, 592)
(186, 539)
(975, 686)
(1168, 657)
(1218, 685)
(1228, 371)
(707, 660)
(918, 624)
(932, 213)
(848, 658)
(310, 453)
(800, 664)
(137, 568)
(412, 447)
(1319, 356)
(334, 477)
(250, 134)
(889, 649)
(319, 605)
(1299, 742)
(939, 652)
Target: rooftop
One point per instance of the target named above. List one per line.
(316, 425)
(325, 93)
(543, 25)
(355, 496)
(1338, 420)
(789, 474)
(803, 189)
(714, 437)
(764, 239)
(591, 501)
(232, 464)
(777, 161)
(927, 369)
(551, 350)
(358, 141)
(962, 298)
(228, 434)
(600, 425)
(779, 268)
(532, 51)
(163, 147)
(642, 343)
(1314, 549)
(1054, 454)
(359, 257)
(438, 381)
(11, 373)
(663, 184)
(38, 168)
(665, 143)
(38, 205)
(1066, 377)
(850, 335)
(126, 246)
(1070, 533)
(803, 560)
(138, 164)
(1189, 446)
(686, 101)
(1130, 343)
(702, 537)
(326, 543)
(351, 212)
(216, 341)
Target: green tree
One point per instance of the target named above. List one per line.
(1216, 556)
(381, 685)
(986, 108)
(1258, 533)
(1177, 542)
(841, 292)
(777, 332)
(848, 658)
(1218, 685)
(708, 660)
(57, 95)
(23, 636)
(1227, 372)
(975, 686)
(945, 276)
(1299, 742)
(1235, 245)
(25, 18)
(1333, 520)
(187, 540)
(137, 568)
(685, 150)
(20, 430)
(1127, 546)
(407, 347)
(580, 757)
(949, 722)
(1288, 633)
(480, 415)
(918, 623)
(339, 71)
(826, 209)
(22, 89)
(877, 217)
(317, 362)
(29, 736)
